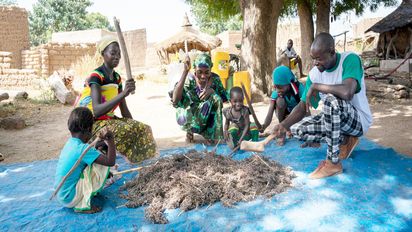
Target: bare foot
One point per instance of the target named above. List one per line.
(264, 134)
(309, 144)
(280, 141)
(189, 137)
(94, 209)
(230, 143)
(210, 142)
(289, 134)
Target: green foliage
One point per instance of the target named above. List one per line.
(97, 20)
(8, 2)
(338, 7)
(50, 16)
(214, 17)
(359, 6)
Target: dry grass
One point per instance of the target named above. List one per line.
(196, 179)
(86, 64)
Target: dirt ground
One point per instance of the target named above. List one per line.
(47, 132)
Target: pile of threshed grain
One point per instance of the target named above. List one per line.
(195, 179)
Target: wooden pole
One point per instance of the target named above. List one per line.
(259, 126)
(74, 167)
(124, 49)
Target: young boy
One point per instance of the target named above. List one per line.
(285, 97)
(237, 125)
(90, 176)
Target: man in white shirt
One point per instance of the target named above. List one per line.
(293, 57)
(337, 80)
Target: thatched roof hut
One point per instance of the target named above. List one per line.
(194, 39)
(395, 39)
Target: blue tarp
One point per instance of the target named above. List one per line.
(373, 194)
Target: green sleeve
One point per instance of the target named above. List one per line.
(188, 89)
(218, 87)
(352, 68)
(313, 100)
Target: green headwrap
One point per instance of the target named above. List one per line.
(104, 42)
(203, 60)
(282, 76)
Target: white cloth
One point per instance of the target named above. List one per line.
(290, 53)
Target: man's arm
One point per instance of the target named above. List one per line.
(344, 91)
(297, 114)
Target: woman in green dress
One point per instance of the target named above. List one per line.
(199, 100)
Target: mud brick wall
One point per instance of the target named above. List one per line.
(47, 58)
(5, 60)
(229, 40)
(135, 40)
(136, 44)
(14, 32)
(19, 79)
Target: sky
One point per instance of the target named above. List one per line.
(163, 18)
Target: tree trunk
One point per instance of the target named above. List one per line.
(322, 16)
(258, 53)
(306, 32)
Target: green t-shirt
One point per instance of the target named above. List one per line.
(351, 68)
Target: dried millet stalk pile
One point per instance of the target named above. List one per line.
(195, 179)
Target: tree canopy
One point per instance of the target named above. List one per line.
(8, 2)
(50, 16)
(214, 17)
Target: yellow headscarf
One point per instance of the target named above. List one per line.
(104, 42)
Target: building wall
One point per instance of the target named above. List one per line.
(285, 31)
(136, 45)
(229, 40)
(47, 58)
(5, 60)
(14, 32)
(358, 29)
(135, 42)
(152, 59)
(19, 79)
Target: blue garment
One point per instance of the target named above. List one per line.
(71, 152)
(291, 101)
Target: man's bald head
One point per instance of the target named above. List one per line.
(323, 42)
(323, 52)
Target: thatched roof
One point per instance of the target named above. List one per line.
(195, 40)
(401, 17)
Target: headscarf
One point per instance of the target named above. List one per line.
(282, 75)
(105, 42)
(203, 60)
